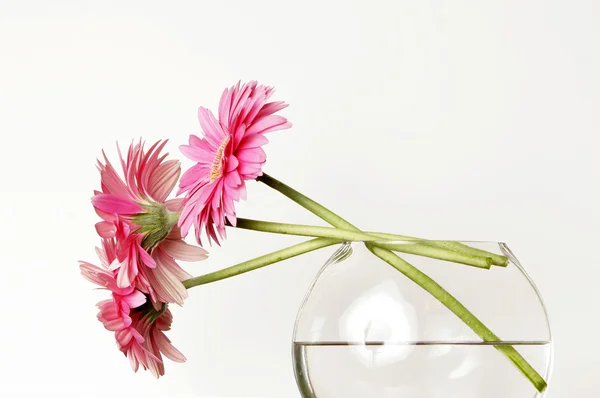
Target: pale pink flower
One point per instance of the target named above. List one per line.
(131, 344)
(165, 279)
(151, 326)
(116, 313)
(229, 154)
(144, 254)
(129, 340)
(139, 328)
(148, 179)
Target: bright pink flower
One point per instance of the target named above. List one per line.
(229, 154)
(136, 228)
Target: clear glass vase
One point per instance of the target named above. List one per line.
(365, 330)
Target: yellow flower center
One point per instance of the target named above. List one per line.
(216, 169)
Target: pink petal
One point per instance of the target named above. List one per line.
(240, 133)
(218, 194)
(146, 258)
(270, 108)
(116, 264)
(156, 368)
(232, 219)
(106, 229)
(165, 346)
(114, 325)
(253, 155)
(195, 140)
(135, 299)
(225, 104)
(197, 154)
(211, 127)
(233, 179)
(242, 102)
(180, 250)
(228, 206)
(123, 279)
(164, 179)
(268, 124)
(193, 176)
(232, 163)
(254, 106)
(253, 141)
(103, 256)
(168, 288)
(93, 273)
(249, 171)
(124, 336)
(174, 205)
(114, 204)
(170, 265)
(241, 191)
(111, 182)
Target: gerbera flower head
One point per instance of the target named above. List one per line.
(114, 312)
(141, 197)
(138, 326)
(151, 324)
(229, 153)
(139, 224)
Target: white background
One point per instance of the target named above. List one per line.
(454, 120)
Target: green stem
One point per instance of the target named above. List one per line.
(304, 230)
(497, 259)
(416, 276)
(309, 204)
(461, 312)
(426, 250)
(338, 222)
(261, 261)
(501, 261)
(420, 248)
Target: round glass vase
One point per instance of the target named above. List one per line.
(365, 330)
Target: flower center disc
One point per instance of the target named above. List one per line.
(216, 169)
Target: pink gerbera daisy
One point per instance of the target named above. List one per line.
(229, 154)
(139, 328)
(140, 223)
(151, 325)
(116, 313)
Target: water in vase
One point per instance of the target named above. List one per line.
(415, 370)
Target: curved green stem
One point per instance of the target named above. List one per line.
(261, 261)
(416, 276)
(309, 204)
(418, 248)
(461, 312)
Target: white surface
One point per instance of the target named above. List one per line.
(455, 120)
